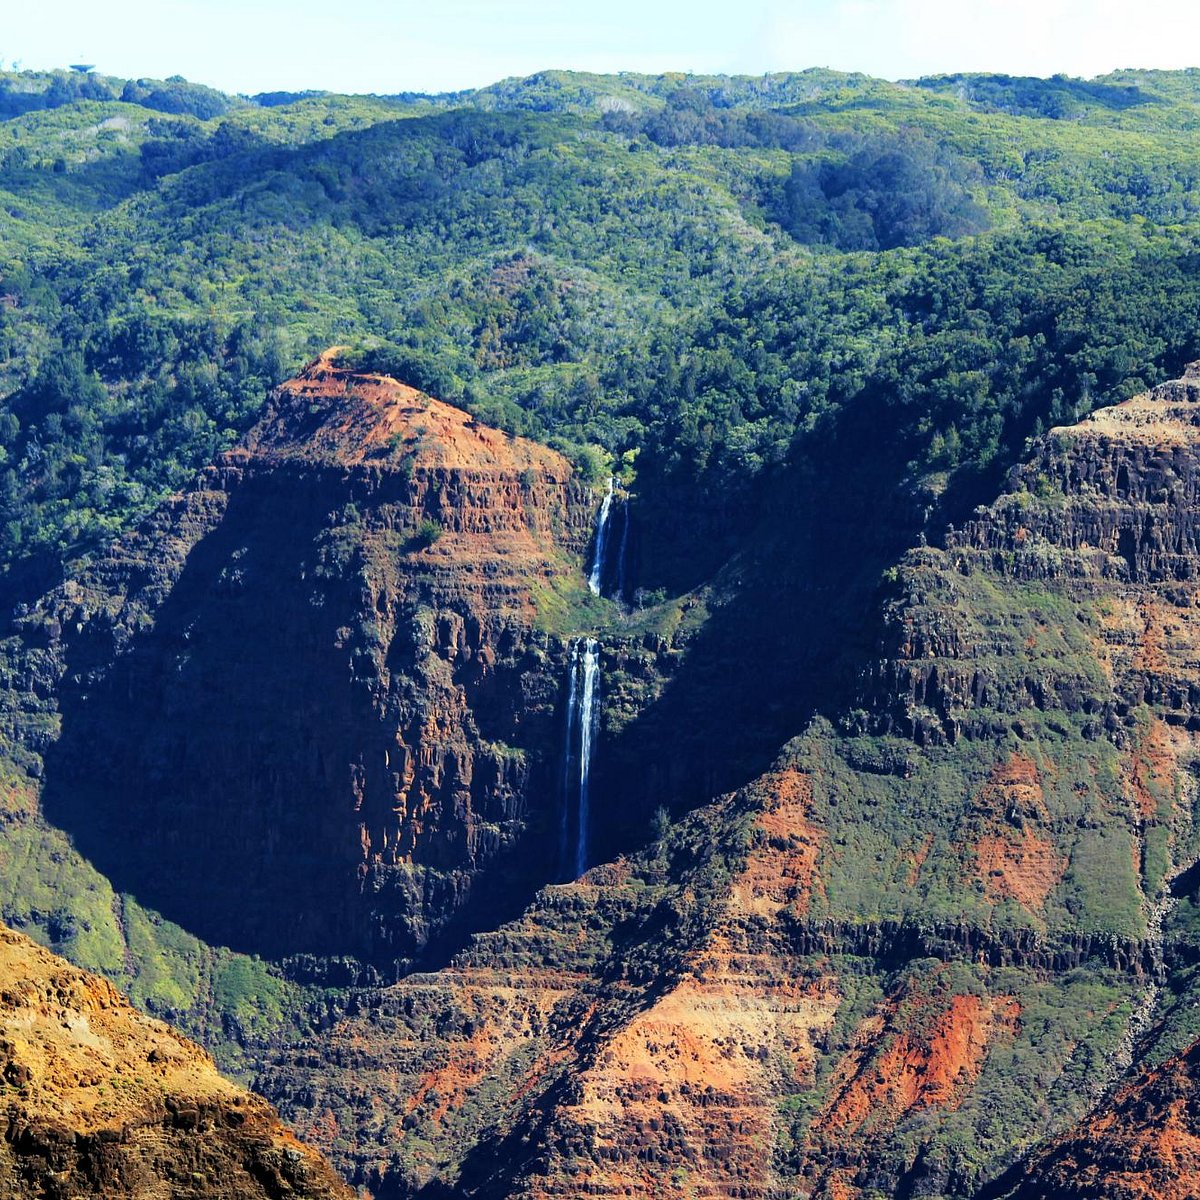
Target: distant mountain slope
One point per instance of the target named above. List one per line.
(599, 260)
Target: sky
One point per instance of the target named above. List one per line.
(443, 45)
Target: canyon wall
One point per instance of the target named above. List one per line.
(901, 947)
(943, 923)
(305, 707)
(98, 1100)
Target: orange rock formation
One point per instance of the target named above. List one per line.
(98, 1100)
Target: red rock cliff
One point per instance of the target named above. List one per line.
(324, 704)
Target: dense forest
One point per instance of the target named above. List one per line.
(696, 278)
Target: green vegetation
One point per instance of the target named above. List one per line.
(709, 271)
(226, 1000)
(428, 532)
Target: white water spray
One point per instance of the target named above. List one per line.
(567, 790)
(582, 724)
(596, 574)
(589, 716)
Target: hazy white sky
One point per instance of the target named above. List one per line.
(438, 45)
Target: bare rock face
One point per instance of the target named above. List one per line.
(1107, 517)
(934, 932)
(1129, 485)
(98, 1100)
(631, 1029)
(299, 711)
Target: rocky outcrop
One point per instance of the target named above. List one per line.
(98, 1100)
(1104, 519)
(1142, 1144)
(320, 678)
(1129, 484)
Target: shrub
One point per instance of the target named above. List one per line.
(428, 532)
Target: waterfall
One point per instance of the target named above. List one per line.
(596, 574)
(589, 716)
(582, 723)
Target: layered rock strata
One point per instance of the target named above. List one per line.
(302, 709)
(941, 924)
(98, 1100)
(936, 928)
(1142, 1144)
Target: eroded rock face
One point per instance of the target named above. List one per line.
(1107, 518)
(633, 1028)
(302, 709)
(1143, 1144)
(931, 933)
(665, 1019)
(98, 1100)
